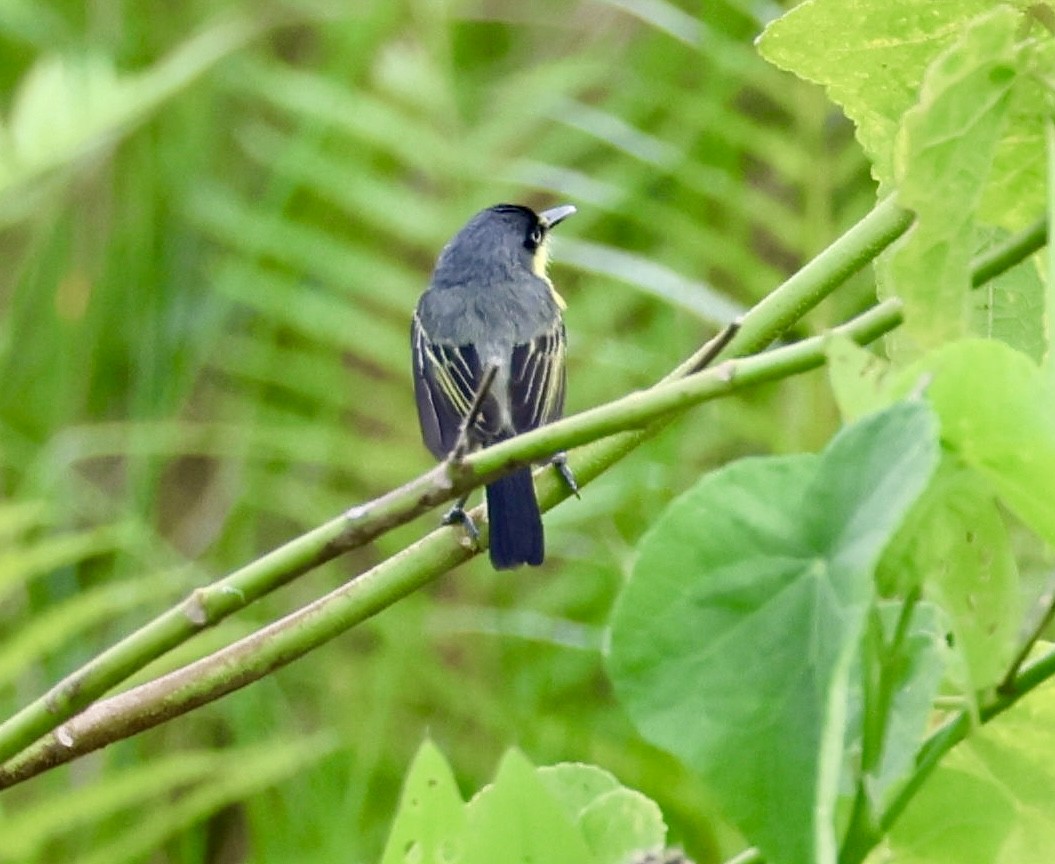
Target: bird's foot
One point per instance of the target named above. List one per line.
(457, 516)
(560, 462)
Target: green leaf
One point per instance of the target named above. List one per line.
(1010, 307)
(732, 643)
(870, 55)
(989, 802)
(517, 820)
(566, 812)
(944, 157)
(616, 822)
(998, 415)
(956, 547)
(429, 827)
(857, 377)
(955, 818)
(1015, 194)
(916, 667)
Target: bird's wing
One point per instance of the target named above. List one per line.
(446, 378)
(537, 379)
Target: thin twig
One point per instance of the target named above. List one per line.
(464, 442)
(715, 347)
(1006, 686)
(1013, 250)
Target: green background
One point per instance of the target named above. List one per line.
(215, 220)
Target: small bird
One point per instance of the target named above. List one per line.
(490, 304)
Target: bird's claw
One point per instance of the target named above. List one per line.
(560, 462)
(457, 516)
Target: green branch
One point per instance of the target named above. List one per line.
(291, 637)
(819, 277)
(210, 604)
(1006, 255)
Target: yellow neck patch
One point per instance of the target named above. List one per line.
(540, 264)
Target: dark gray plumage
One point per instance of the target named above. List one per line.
(490, 303)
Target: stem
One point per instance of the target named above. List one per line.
(280, 643)
(954, 730)
(1048, 363)
(1008, 682)
(880, 665)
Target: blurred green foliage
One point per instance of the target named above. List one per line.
(215, 219)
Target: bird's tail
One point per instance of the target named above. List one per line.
(516, 524)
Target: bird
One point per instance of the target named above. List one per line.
(490, 305)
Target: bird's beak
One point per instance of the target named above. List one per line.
(555, 215)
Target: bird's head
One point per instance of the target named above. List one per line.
(498, 241)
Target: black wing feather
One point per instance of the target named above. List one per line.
(537, 380)
(446, 378)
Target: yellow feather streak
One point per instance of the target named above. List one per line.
(539, 265)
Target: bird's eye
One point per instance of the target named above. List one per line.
(536, 236)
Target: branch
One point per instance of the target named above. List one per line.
(210, 604)
(819, 277)
(1006, 255)
(285, 640)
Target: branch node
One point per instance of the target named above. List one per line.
(194, 608)
(357, 513)
(726, 372)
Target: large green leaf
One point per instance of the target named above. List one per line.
(733, 642)
(944, 158)
(956, 547)
(871, 56)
